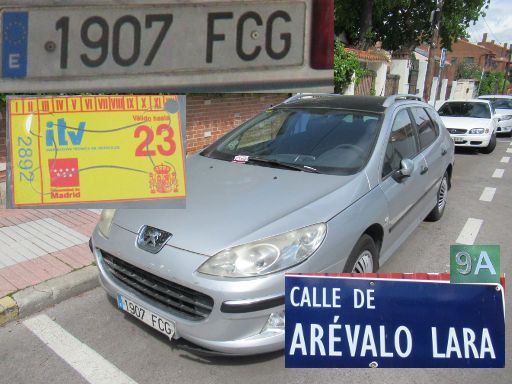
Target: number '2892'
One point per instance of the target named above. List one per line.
(25, 164)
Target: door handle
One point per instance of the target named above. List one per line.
(444, 151)
(424, 170)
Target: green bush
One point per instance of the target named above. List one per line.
(346, 64)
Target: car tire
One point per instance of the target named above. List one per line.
(491, 146)
(364, 257)
(442, 193)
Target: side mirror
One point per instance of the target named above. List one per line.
(406, 168)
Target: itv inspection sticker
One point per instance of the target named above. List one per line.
(112, 149)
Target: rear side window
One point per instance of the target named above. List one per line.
(401, 144)
(426, 131)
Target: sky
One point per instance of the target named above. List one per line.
(497, 23)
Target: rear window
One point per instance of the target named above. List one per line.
(465, 109)
(426, 131)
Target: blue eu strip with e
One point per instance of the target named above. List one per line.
(14, 44)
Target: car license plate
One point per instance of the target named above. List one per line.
(458, 139)
(153, 320)
(201, 36)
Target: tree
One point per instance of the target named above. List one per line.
(402, 25)
(492, 83)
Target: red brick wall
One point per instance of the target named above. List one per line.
(208, 117)
(2, 142)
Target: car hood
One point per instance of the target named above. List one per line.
(503, 111)
(229, 204)
(465, 122)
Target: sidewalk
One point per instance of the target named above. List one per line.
(40, 244)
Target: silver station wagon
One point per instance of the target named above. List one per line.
(319, 183)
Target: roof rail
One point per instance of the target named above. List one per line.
(393, 98)
(300, 96)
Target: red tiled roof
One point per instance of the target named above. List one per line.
(368, 55)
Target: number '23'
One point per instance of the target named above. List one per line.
(163, 130)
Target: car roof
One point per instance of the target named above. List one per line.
(495, 97)
(374, 104)
(481, 101)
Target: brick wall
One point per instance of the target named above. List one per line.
(2, 144)
(208, 117)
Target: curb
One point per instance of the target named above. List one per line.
(34, 299)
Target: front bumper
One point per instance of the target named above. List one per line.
(471, 141)
(502, 128)
(241, 306)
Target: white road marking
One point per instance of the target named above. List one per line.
(90, 364)
(505, 159)
(488, 194)
(470, 231)
(498, 173)
(509, 150)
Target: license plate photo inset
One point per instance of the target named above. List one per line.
(162, 325)
(86, 41)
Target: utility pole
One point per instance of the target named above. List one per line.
(436, 23)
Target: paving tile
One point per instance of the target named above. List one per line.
(52, 234)
(61, 267)
(6, 287)
(67, 260)
(18, 276)
(72, 257)
(74, 236)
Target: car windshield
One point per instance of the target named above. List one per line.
(501, 103)
(321, 140)
(465, 109)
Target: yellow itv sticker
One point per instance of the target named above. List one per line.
(97, 150)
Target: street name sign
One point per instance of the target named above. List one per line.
(198, 45)
(344, 322)
(99, 151)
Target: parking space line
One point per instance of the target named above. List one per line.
(505, 159)
(87, 362)
(488, 194)
(498, 173)
(470, 231)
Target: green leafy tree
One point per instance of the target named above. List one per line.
(346, 65)
(492, 83)
(404, 24)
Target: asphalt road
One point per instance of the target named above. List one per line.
(132, 352)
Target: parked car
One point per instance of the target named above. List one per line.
(502, 105)
(471, 123)
(319, 183)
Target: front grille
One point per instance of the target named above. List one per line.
(179, 300)
(455, 131)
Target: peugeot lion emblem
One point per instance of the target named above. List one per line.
(152, 239)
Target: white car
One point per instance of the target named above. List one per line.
(502, 105)
(471, 123)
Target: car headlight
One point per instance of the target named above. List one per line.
(106, 217)
(505, 117)
(476, 131)
(268, 255)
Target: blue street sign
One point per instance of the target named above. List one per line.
(443, 58)
(14, 44)
(359, 322)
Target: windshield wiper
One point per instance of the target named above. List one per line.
(296, 167)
